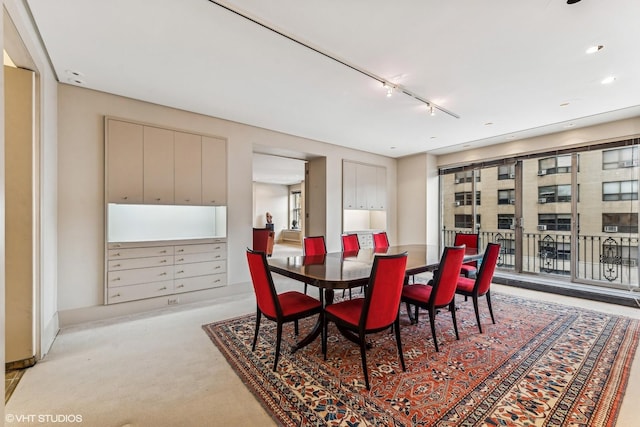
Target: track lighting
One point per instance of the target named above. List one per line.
(432, 111)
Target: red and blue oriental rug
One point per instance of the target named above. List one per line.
(540, 364)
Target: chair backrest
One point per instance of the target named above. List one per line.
(382, 298)
(470, 240)
(263, 286)
(350, 243)
(487, 268)
(380, 240)
(314, 245)
(446, 279)
(260, 239)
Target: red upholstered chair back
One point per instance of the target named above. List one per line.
(314, 245)
(380, 240)
(487, 268)
(260, 239)
(446, 280)
(382, 299)
(263, 284)
(350, 243)
(469, 240)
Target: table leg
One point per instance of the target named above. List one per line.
(317, 328)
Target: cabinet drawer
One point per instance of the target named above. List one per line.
(146, 290)
(139, 275)
(127, 263)
(200, 269)
(140, 252)
(206, 247)
(200, 282)
(190, 258)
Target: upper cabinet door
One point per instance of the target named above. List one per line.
(349, 185)
(214, 171)
(124, 162)
(188, 169)
(381, 188)
(158, 166)
(366, 188)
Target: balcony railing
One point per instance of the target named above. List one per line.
(605, 260)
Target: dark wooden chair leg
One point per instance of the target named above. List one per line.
(255, 335)
(432, 320)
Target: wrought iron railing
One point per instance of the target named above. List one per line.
(607, 260)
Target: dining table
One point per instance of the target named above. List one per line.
(345, 270)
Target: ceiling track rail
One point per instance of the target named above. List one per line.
(360, 70)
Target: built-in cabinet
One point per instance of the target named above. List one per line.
(152, 165)
(364, 186)
(149, 165)
(137, 270)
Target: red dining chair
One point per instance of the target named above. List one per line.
(312, 246)
(281, 308)
(441, 293)
(263, 240)
(377, 311)
(481, 286)
(470, 240)
(350, 245)
(350, 242)
(380, 240)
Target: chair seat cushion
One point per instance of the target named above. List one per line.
(348, 311)
(420, 293)
(468, 270)
(293, 302)
(465, 286)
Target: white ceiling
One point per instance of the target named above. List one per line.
(503, 66)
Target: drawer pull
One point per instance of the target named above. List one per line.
(116, 254)
(116, 265)
(164, 251)
(216, 281)
(115, 296)
(217, 256)
(217, 267)
(125, 197)
(181, 259)
(180, 272)
(162, 288)
(157, 199)
(180, 250)
(180, 286)
(163, 261)
(115, 279)
(163, 274)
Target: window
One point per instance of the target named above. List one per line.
(506, 172)
(466, 176)
(620, 222)
(619, 190)
(554, 193)
(554, 222)
(295, 203)
(506, 197)
(464, 198)
(505, 221)
(616, 254)
(552, 165)
(555, 250)
(465, 221)
(620, 158)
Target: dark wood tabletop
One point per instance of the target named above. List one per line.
(343, 270)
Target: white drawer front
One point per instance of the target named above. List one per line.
(139, 275)
(127, 263)
(206, 247)
(189, 258)
(200, 269)
(140, 252)
(200, 282)
(134, 292)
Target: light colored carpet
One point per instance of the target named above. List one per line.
(160, 369)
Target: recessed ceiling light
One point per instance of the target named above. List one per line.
(393, 148)
(564, 104)
(608, 80)
(76, 81)
(74, 73)
(569, 125)
(594, 49)
(432, 137)
(488, 123)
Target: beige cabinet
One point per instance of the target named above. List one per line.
(158, 166)
(363, 186)
(187, 169)
(214, 171)
(124, 160)
(139, 270)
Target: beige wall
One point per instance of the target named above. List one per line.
(81, 190)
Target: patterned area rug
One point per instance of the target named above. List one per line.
(540, 364)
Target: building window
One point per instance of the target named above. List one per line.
(464, 198)
(554, 193)
(620, 158)
(620, 222)
(619, 190)
(555, 250)
(506, 172)
(554, 222)
(553, 165)
(505, 221)
(506, 197)
(465, 221)
(466, 176)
